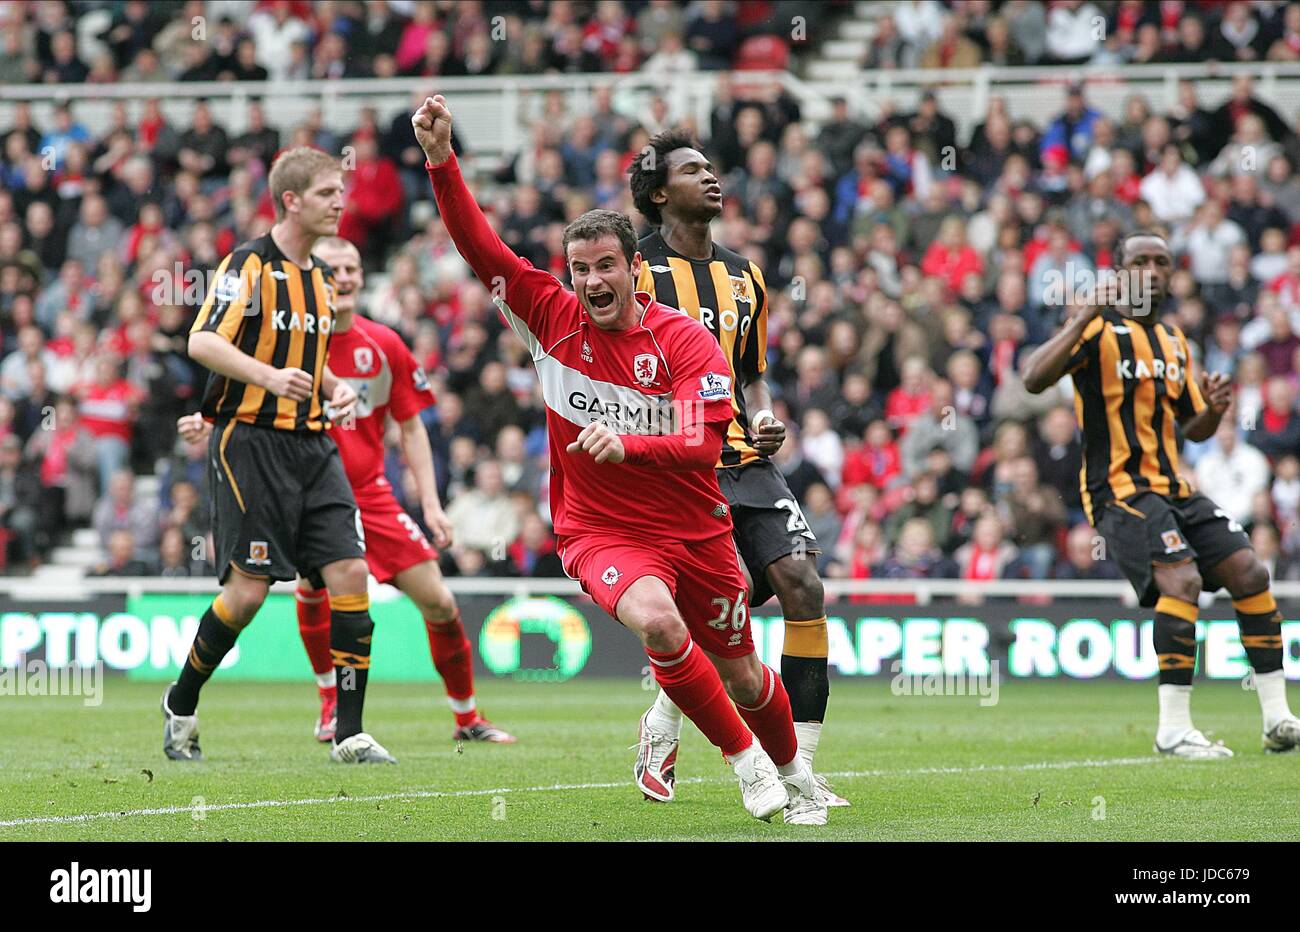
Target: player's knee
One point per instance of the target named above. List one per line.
(798, 587)
(1185, 584)
(1254, 578)
(439, 605)
(241, 600)
(661, 628)
(347, 577)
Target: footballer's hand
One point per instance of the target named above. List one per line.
(343, 403)
(432, 125)
(439, 525)
(769, 434)
(1217, 388)
(192, 427)
(294, 384)
(600, 441)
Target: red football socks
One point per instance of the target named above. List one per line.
(450, 650)
(770, 719)
(694, 686)
(314, 626)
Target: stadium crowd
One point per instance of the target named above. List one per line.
(909, 270)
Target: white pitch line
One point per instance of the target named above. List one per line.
(553, 788)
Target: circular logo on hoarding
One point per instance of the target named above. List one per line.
(499, 642)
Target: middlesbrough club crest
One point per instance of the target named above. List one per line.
(645, 367)
(363, 357)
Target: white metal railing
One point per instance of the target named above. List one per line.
(494, 112)
(924, 590)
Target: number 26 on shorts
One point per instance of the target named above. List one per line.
(733, 614)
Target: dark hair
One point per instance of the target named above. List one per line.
(595, 224)
(649, 170)
(1121, 247)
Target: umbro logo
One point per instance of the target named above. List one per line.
(661, 268)
(1121, 330)
(279, 276)
(719, 510)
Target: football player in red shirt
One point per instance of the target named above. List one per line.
(638, 399)
(387, 379)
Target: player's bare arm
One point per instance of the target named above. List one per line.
(419, 457)
(224, 358)
(1217, 389)
(1044, 366)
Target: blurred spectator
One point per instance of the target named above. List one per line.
(1035, 514)
(173, 554)
(121, 509)
(533, 553)
(1207, 242)
(1074, 32)
(1085, 556)
(123, 557)
(822, 446)
(108, 406)
(1232, 473)
(1059, 457)
(484, 517)
(989, 554)
(373, 201)
(20, 492)
(1277, 432)
(942, 426)
(915, 556)
(1069, 136)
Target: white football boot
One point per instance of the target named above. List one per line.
(180, 732)
(807, 805)
(360, 749)
(1283, 737)
(656, 762)
(761, 789)
(1195, 746)
(832, 799)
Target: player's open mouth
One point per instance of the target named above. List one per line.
(601, 300)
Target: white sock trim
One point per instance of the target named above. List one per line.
(325, 680)
(462, 706)
(770, 674)
(690, 646)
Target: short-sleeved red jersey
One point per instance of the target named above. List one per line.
(379, 367)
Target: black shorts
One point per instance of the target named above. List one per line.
(1148, 529)
(768, 522)
(281, 502)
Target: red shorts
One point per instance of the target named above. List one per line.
(704, 578)
(394, 542)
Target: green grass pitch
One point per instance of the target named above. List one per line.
(1069, 761)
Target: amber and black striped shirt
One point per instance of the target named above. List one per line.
(726, 294)
(278, 313)
(1133, 384)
